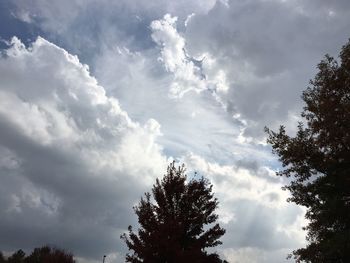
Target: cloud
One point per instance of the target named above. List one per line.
(195, 80)
(196, 121)
(254, 50)
(70, 155)
(192, 118)
(254, 255)
(187, 76)
(260, 186)
(268, 51)
(260, 225)
(189, 73)
(124, 22)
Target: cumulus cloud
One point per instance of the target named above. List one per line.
(189, 73)
(263, 67)
(70, 154)
(196, 121)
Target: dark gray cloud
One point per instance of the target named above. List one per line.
(255, 226)
(270, 50)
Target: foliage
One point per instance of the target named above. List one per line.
(2, 258)
(17, 257)
(317, 160)
(48, 254)
(177, 227)
(43, 254)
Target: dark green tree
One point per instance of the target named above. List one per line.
(177, 224)
(317, 160)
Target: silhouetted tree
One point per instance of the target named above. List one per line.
(17, 257)
(48, 254)
(318, 161)
(176, 225)
(2, 258)
(44, 254)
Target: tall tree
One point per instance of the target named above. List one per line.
(176, 225)
(317, 159)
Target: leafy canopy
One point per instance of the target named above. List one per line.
(178, 225)
(317, 159)
(45, 254)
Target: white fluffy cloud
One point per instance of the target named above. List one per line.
(187, 75)
(72, 161)
(195, 121)
(50, 97)
(70, 156)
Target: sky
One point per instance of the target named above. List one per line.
(97, 97)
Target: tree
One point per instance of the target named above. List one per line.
(48, 254)
(317, 159)
(176, 225)
(43, 254)
(17, 257)
(2, 258)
